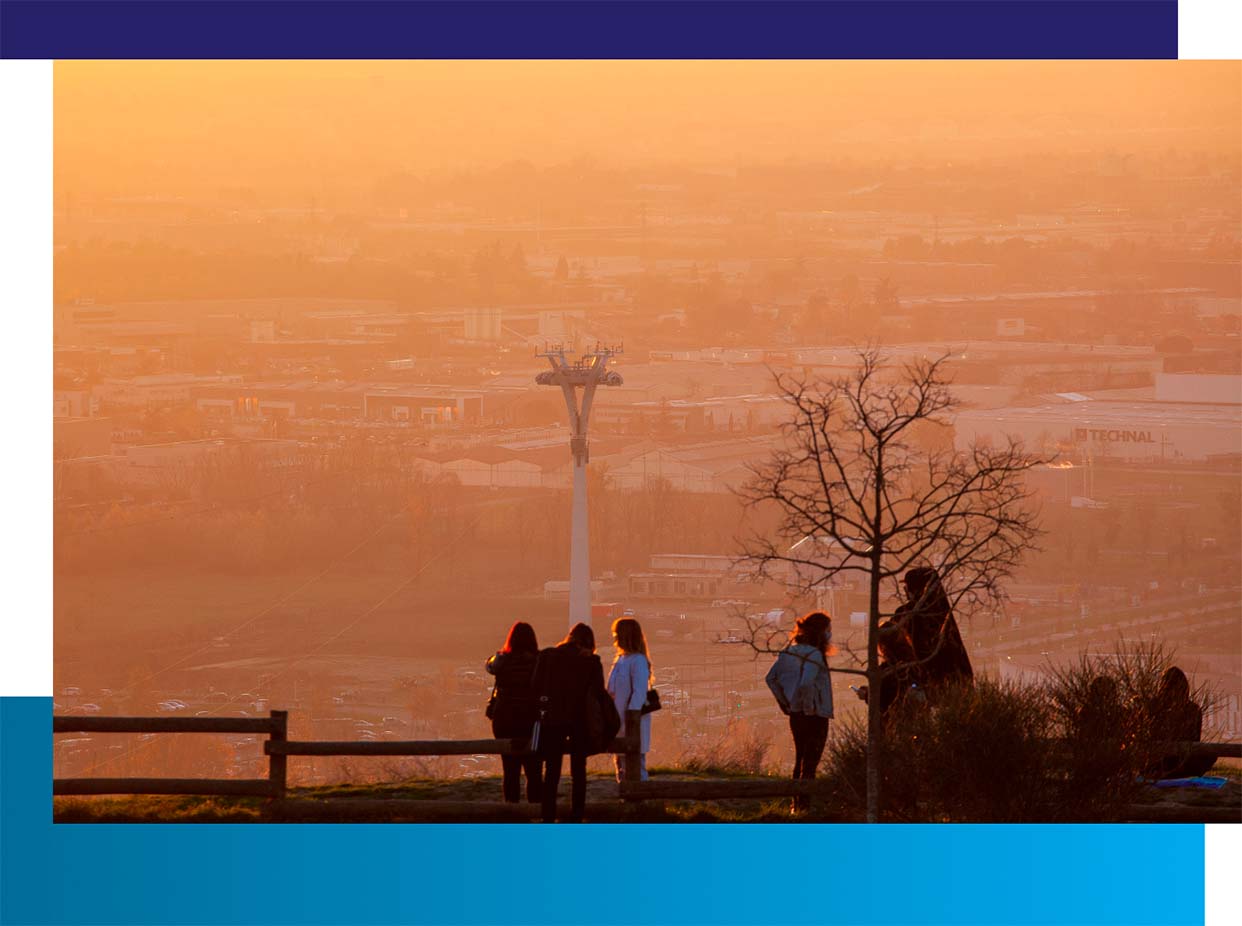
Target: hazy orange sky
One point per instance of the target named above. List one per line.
(163, 127)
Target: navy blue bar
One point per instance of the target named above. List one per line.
(603, 29)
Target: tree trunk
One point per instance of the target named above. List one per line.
(874, 727)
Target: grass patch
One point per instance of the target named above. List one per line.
(602, 803)
(158, 809)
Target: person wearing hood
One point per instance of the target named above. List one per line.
(1176, 718)
(927, 617)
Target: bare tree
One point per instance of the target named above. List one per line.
(859, 488)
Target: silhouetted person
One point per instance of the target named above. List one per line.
(801, 682)
(628, 683)
(1098, 734)
(567, 676)
(513, 709)
(1177, 719)
(904, 682)
(1101, 713)
(928, 619)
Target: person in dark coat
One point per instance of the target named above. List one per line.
(906, 680)
(927, 618)
(513, 709)
(1177, 719)
(567, 676)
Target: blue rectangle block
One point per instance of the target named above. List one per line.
(600, 29)
(473, 874)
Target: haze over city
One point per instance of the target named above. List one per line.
(302, 460)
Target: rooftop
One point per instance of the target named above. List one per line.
(1095, 412)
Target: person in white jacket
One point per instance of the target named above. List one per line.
(801, 682)
(628, 683)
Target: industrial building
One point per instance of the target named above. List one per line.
(429, 405)
(1131, 431)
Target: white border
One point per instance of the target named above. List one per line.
(26, 368)
(1222, 860)
(1209, 29)
(1212, 29)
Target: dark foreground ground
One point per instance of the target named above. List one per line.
(476, 800)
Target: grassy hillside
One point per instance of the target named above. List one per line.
(333, 803)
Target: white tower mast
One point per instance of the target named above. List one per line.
(587, 373)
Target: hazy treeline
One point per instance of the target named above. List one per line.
(244, 515)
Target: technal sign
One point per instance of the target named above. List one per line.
(1113, 436)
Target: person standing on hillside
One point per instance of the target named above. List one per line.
(903, 677)
(927, 617)
(567, 677)
(628, 683)
(512, 709)
(802, 685)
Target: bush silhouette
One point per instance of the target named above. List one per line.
(1072, 748)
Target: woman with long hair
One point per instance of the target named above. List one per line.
(567, 677)
(801, 682)
(927, 617)
(903, 675)
(513, 709)
(1176, 718)
(628, 683)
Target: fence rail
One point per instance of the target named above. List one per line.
(278, 748)
(64, 724)
(275, 725)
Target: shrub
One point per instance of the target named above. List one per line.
(980, 755)
(1105, 714)
(1070, 749)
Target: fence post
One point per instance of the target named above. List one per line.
(278, 766)
(633, 747)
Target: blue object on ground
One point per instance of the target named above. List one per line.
(1210, 782)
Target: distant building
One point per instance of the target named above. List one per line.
(1212, 388)
(482, 324)
(74, 403)
(558, 589)
(687, 576)
(737, 413)
(1134, 431)
(155, 391)
(427, 405)
(75, 437)
(175, 462)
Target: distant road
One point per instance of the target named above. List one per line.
(1188, 614)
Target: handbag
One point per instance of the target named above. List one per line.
(490, 711)
(603, 723)
(652, 704)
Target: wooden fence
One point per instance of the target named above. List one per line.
(278, 747)
(276, 727)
